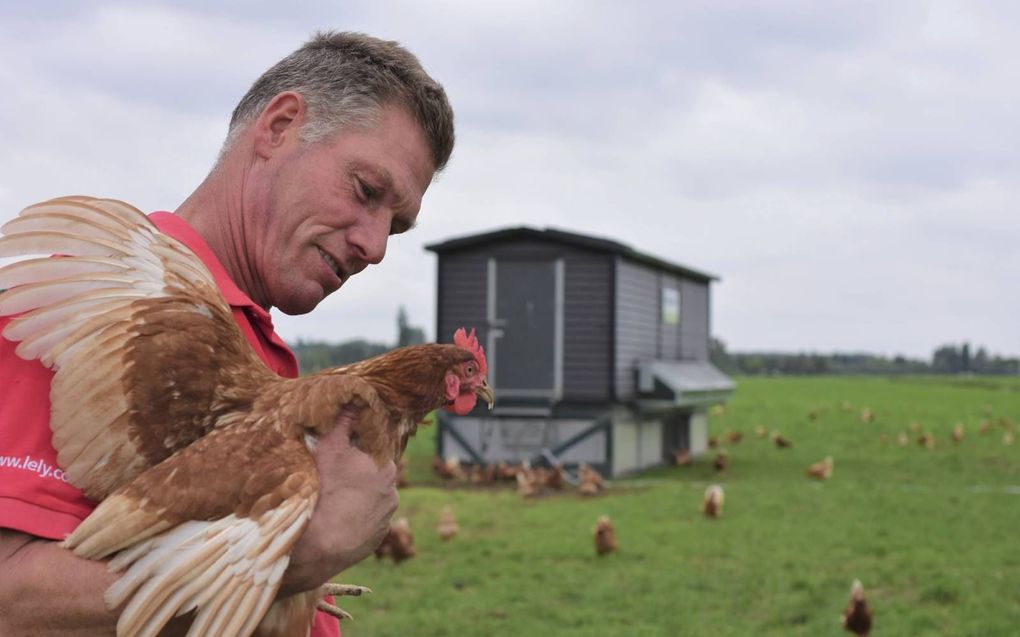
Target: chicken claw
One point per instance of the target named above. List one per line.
(337, 590)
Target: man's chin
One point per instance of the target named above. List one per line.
(297, 307)
(298, 304)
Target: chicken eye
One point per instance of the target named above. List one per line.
(470, 369)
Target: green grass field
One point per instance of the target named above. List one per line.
(933, 534)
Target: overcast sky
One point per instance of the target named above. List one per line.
(850, 170)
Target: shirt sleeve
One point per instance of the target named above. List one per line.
(325, 625)
(35, 497)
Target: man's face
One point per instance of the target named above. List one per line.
(327, 209)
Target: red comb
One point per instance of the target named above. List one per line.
(470, 342)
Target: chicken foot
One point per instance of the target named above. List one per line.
(338, 590)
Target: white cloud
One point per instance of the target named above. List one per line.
(847, 168)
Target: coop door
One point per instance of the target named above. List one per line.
(526, 325)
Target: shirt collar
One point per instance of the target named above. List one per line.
(176, 227)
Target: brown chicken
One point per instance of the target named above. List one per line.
(821, 470)
(957, 434)
(780, 441)
(926, 440)
(398, 544)
(682, 457)
(589, 480)
(506, 472)
(447, 527)
(448, 469)
(482, 474)
(553, 478)
(528, 481)
(857, 616)
(156, 389)
(605, 536)
(722, 461)
(712, 504)
(734, 437)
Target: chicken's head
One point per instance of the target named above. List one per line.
(466, 381)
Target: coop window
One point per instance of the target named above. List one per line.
(670, 306)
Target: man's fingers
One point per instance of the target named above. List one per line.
(348, 414)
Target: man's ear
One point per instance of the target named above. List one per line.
(279, 121)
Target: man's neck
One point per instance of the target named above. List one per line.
(214, 210)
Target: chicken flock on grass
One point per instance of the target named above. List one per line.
(156, 389)
(155, 386)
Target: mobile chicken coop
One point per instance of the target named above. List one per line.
(597, 353)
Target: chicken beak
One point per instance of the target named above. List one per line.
(485, 392)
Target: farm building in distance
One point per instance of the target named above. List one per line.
(597, 353)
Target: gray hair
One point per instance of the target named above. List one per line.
(346, 79)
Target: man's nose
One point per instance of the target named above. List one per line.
(369, 239)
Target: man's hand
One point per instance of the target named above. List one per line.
(352, 517)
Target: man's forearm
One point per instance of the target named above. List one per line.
(46, 590)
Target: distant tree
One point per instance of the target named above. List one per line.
(980, 364)
(407, 334)
(719, 357)
(946, 360)
(315, 355)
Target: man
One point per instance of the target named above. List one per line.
(328, 154)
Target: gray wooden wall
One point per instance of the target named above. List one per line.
(640, 334)
(587, 373)
(589, 368)
(462, 295)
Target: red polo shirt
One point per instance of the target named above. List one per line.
(34, 495)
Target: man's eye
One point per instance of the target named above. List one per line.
(367, 192)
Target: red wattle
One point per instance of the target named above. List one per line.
(464, 403)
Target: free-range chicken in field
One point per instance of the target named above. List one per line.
(447, 526)
(857, 616)
(712, 503)
(821, 470)
(605, 536)
(156, 389)
(398, 545)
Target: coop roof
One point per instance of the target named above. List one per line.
(586, 242)
(682, 383)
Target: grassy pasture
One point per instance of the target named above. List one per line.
(932, 533)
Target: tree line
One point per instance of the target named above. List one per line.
(947, 359)
(315, 355)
